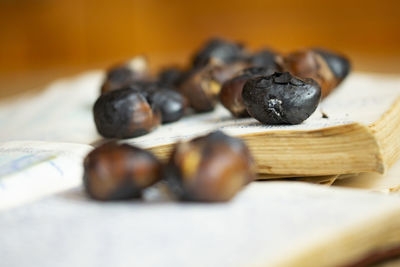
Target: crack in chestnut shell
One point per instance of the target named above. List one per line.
(124, 113)
(119, 171)
(328, 69)
(210, 168)
(281, 98)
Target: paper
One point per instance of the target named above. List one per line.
(61, 113)
(388, 183)
(33, 169)
(267, 224)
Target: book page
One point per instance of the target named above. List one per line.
(33, 169)
(267, 224)
(63, 113)
(387, 183)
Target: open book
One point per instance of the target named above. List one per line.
(44, 139)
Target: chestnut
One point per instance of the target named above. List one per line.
(222, 72)
(124, 113)
(209, 168)
(170, 103)
(123, 74)
(266, 58)
(281, 98)
(327, 68)
(231, 91)
(119, 171)
(222, 50)
(201, 89)
(170, 77)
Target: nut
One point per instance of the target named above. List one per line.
(231, 91)
(281, 98)
(170, 77)
(222, 50)
(170, 103)
(209, 168)
(124, 74)
(124, 113)
(267, 59)
(201, 89)
(326, 68)
(119, 171)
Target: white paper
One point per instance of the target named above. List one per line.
(61, 113)
(32, 169)
(267, 224)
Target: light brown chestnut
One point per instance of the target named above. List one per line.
(327, 68)
(119, 171)
(202, 85)
(201, 89)
(210, 168)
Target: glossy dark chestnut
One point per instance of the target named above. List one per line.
(124, 113)
(281, 98)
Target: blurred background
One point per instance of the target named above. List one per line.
(42, 40)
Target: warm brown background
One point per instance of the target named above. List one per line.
(41, 40)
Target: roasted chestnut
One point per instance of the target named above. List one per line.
(210, 168)
(124, 113)
(281, 98)
(170, 103)
(124, 74)
(327, 68)
(119, 171)
(170, 77)
(231, 91)
(267, 59)
(222, 50)
(201, 89)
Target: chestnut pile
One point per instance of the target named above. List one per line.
(210, 168)
(269, 86)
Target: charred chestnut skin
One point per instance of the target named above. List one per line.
(125, 73)
(170, 103)
(281, 98)
(119, 171)
(124, 113)
(327, 68)
(211, 168)
(266, 58)
(231, 91)
(219, 49)
(170, 77)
